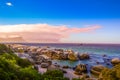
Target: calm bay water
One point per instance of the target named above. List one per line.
(96, 52)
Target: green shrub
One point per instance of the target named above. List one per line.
(4, 49)
(14, 68)
(111, 74)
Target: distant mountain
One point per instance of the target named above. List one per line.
(12, 39)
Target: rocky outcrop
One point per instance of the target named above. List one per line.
(84, 56)
(81, 68)
(53, 67)
(63, 56)
(85, 77)
(36, 67)
(49, 62)
(97, 69)
(60, 54)
(44, 65)
(115, 61)
(38, 59)
(72, 56)
(65, 67)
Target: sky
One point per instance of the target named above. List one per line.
(61, 21)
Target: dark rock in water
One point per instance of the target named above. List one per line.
(107, 63)
(108, 59)
(115, 61)
(84, 56)
(44, 65)
(55, 63)
(97, 69)
(81, 68)
(98, 62)
(104, 55)
(65, 67)
(74, 68)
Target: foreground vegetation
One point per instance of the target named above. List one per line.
(111, 74)
(15, 68)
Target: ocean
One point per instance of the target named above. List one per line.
(99, 53)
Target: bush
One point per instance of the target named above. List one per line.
(29, 73)
(24, 62)
(53, 75)
(111, 74)
(4, 49)
(14, 68)
(76, 79)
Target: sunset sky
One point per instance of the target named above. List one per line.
(76, 21)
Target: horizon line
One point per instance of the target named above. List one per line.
(79, 43)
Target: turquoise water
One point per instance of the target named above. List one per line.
(96, 52)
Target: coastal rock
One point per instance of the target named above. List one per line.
(64, 71)
(56, 56)
(97, 69)
(72, 56)
(61, 50)
(84, 77)
(65, 67)
(81, 68)
(36, 67)
(49, 62)
(84, 56)
(44, 65)
(115, 61)
(49, 53)
(53, 67)
(38, 59)
(63, 56)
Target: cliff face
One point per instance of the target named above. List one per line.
(13, 39)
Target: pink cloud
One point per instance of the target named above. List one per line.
(41, 32)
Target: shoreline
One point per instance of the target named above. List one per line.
(22, 43)
(70, 72)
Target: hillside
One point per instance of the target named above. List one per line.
(12, 39)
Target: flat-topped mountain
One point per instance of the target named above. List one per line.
(12, 39)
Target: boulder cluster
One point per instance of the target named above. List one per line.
(43, 56)
(115, 61)
(81, 68)
(97, 69)
(60, 54)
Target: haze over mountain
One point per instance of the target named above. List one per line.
(12, 39)
(42, 32)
